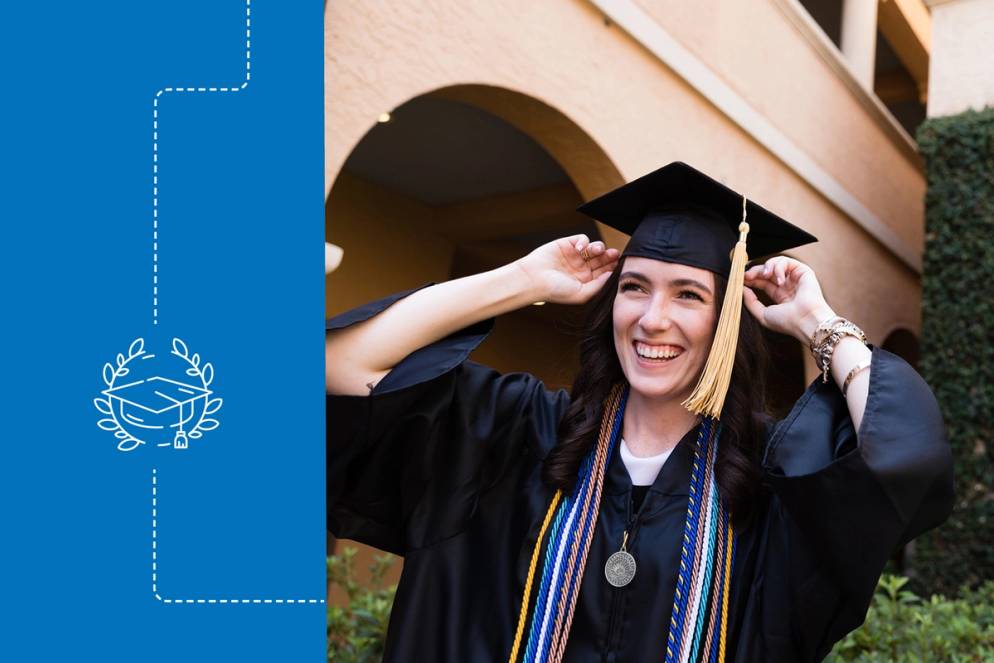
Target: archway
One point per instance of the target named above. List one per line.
(458, 181)
(904, 344)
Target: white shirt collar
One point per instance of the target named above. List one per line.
(642, 469)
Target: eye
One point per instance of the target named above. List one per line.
(693, 295)
(630, 285)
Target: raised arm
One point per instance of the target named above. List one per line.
(361, 355)
(798, 308)
(852, 478)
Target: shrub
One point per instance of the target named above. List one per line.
(902, 627)
(357, 633)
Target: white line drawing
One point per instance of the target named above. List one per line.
(155, 148)
(147, 407)
(141, 401)
(189, 601)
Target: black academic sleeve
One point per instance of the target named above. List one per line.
(407, 463)
(851, 501)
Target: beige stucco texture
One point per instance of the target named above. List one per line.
(608, 110)
(961, 71)
(757, 51)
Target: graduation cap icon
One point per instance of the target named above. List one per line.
(145, 403)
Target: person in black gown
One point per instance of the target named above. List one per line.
(452, 465)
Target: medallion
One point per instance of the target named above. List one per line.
(620, 568)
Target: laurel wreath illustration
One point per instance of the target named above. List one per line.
(111, 373)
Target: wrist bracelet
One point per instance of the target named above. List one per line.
(852, 373)
(822, 345)
(822, 331)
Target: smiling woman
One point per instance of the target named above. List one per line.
(663, 312)
(524, 537)
(651, 307)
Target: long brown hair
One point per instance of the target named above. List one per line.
(737, 466)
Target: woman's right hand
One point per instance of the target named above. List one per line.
(558, 271)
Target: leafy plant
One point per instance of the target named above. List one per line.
(957, 327)
(357, 632)
(902, 627)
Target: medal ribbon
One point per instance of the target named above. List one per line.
(700, 603)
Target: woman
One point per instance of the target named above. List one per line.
(524, 535)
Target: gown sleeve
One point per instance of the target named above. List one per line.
(851, 501)
(407, 462)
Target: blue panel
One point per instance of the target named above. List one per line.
(223, 250)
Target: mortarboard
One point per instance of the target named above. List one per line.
(678, 214)
(157, 395)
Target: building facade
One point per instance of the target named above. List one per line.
(459, 136)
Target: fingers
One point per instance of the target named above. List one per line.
(765, 285)
(570, 247)
(601, 256)
(579, 242)
(761, 277)
(595, 249)
(774, 268)
(594, 254)
(753, 272)
(777, 270)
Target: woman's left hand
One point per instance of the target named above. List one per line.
(798, 303)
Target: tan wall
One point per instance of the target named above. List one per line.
(561, 53)
(385, 243)
(961, 72)
(767, 60)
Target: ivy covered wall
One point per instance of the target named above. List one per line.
(958, 340)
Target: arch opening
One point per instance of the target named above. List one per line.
(459, 181)
(463, 180)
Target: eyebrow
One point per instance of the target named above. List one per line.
(674, 283)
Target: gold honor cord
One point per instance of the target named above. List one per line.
(531, 575)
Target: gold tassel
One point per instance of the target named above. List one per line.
(708, 396)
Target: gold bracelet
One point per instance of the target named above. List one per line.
(822, 346)
(855, 369)
(823, 330)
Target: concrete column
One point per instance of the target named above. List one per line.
(961, 70)
(859, 38)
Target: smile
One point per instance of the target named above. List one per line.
(656, 354)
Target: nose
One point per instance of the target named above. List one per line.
(656, 317)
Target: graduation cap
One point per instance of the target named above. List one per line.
(157, 395)
(678, 214)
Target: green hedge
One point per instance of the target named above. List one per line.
(903, 628)
(899, 626)
(958, 340)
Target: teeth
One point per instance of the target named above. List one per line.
(655, 352)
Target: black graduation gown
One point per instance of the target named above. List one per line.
(441, 464)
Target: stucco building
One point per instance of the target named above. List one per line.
(460, 135)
